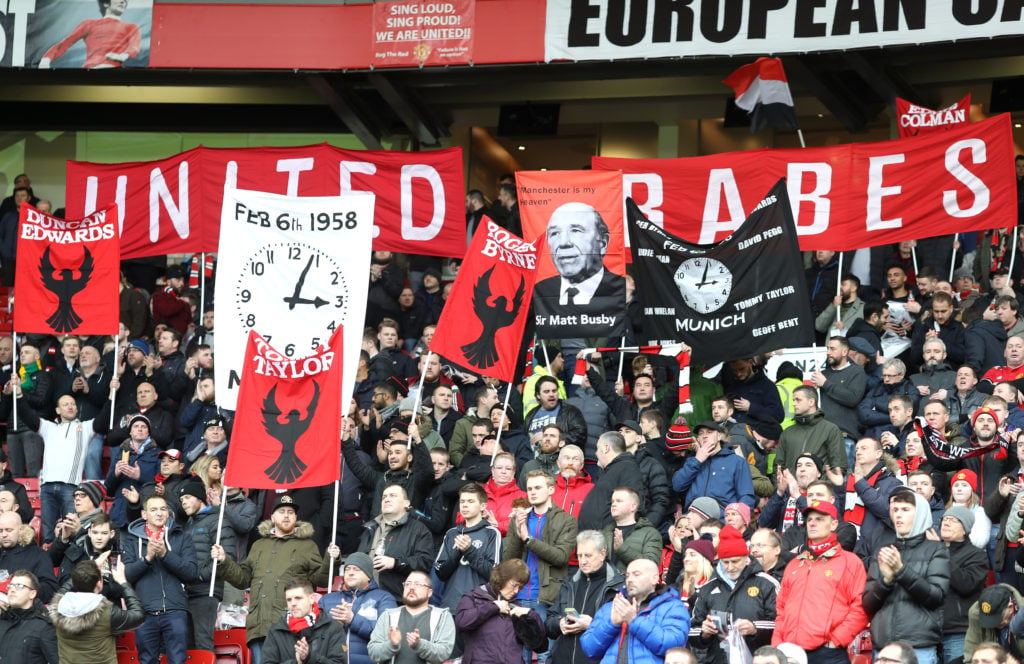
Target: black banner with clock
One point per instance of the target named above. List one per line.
(739, 297)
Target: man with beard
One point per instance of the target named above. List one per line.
(850, 308)
(866, 489)
(819, 606)
(985, 454)
(842, 384)
(581, 595)
(908, 581)
(551, 409)
(643, 399)
(572, 483)
(943, 325)
(408, 464)
(551, 441)
(936, 380)
(741, 589)
(415, 632)
(646, 621)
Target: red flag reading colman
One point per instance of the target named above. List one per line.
(67, 273)
(481, 327)
(290, 436)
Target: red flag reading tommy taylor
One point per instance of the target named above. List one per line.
(288, 431)
(67, 273)
(481, 327)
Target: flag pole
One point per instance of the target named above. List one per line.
(913, 257)
(334, 531)
(202, 285)
(622, 358)
(113, 392)
(1013, 251)
(839, 288)
(952, 258)
(501, 422)
(220, 525)
(800, 135)
(419, 393)
(544, 349)
(14, 392)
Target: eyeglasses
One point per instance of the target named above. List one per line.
(19, 586)
(515, 585)
(415, 584)
(889, 375)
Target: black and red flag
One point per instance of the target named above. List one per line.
(288, 433)
(481, 327)
(67, 273)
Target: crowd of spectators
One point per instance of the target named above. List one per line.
(872, 505)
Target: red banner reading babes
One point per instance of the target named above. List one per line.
(413, 33)
(290, 435)
(843, 197)
(68, 272)
(173, 205)
(481, 327)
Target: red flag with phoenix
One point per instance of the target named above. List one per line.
(482, 324)
(68, 273)
(288, 432)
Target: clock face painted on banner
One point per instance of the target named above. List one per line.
(293, 294)
(704, 283)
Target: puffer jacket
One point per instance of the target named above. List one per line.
(271, 563)
(368, 605)
(910, 608)
(489, 635)
(971, 566)
(26, 636)
(86, 624)
(202, 528)
(724, 477)
(556, 543)
(663, 622)
(326, 641)
(751, 597)
(586, 593)
(160, 583)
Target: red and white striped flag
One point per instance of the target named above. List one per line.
(681, 352)
(762, 91)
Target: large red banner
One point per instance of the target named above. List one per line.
(481, 327)
(414, 33)
(843, 197)
(173, 205)
(68, 273)
(290, 434)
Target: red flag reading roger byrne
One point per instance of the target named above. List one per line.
(287, 433)
(67, 273)
(481, 327)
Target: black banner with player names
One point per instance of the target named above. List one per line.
(739, 297)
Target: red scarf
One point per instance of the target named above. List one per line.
(160, 478)
(153, 534)
(821, 548)
(296, 625)
(855, 513)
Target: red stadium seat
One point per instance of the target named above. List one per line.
(230, 645)
(31, 485)
(195, 657)
(127, 657)
(126, 641)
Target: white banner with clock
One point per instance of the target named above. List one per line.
(293, 269)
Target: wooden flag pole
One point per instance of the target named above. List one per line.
(839, 288)
(113, 392)
(952, 258)
(334, 532)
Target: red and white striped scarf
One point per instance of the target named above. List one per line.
(193, 270)
(680, 352)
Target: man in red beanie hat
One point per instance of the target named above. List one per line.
(819, 607)
(739, 589)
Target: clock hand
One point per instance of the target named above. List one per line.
(704, 277)
(295, 299)
(317, 302)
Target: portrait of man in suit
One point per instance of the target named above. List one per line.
(578, 240)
